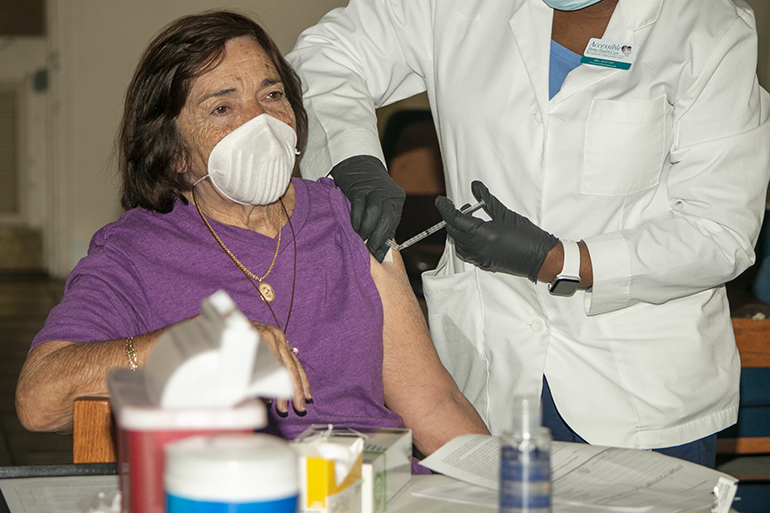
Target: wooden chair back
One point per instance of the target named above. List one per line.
(93, 431)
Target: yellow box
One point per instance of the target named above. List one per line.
(330, 474)
(387, 462)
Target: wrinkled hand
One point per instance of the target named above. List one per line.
(375, 200)
(276, 341)
(509, 243)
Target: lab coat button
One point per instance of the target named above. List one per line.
(537, 326)
(538, 117)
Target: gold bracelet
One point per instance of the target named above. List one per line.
(131, 354)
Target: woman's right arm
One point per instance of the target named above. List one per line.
(58, 372)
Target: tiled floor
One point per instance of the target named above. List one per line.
(24, 304)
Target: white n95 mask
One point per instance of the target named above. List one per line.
(569, 5)
(252, 165)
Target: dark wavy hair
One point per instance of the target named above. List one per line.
(150, 145)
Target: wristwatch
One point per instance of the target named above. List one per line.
(568, 280)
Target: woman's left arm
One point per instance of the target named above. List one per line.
(416, 384)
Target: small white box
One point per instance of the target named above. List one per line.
(329, 470)
(387, 462)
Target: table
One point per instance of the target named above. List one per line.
(61, 488)
(39, 487)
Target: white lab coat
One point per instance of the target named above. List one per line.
(661, 170)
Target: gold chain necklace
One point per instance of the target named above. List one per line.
(265, 290)
(293, 281)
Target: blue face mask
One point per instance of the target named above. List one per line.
(569, 5)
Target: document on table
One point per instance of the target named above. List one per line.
(582, 474)
(69, 494)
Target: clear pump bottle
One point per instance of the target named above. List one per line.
(525, 461)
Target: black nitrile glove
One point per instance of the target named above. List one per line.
(375, 200)
(509, 243)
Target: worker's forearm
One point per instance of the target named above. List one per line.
(555, 261)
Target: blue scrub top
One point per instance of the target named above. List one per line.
(562, 62)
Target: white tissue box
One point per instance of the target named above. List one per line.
(387, 462)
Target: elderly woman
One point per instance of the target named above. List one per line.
(213, 120)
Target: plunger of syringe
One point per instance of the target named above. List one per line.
(433, 229)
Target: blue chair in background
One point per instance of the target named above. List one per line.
(751, 435)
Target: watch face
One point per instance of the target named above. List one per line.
(564, 287)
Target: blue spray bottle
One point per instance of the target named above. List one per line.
(525, 461)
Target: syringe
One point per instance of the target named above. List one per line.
(433, 229)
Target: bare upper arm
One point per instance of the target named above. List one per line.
(415, 382)
(412, 371)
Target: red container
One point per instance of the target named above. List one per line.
(143, 430)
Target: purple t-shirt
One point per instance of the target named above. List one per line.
(149, 270)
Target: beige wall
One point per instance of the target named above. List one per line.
(20, 59)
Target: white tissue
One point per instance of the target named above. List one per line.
(214, 360)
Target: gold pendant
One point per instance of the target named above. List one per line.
(268, 294)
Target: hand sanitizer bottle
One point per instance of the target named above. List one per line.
(525, 461)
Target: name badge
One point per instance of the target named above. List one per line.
(609, 54)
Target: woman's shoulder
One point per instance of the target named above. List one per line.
(323, 188)
(329, 208)
(143, 232)
(323, 197)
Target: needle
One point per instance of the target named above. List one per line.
(433, 229)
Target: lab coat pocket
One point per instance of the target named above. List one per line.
(624, 146)
(456, 325)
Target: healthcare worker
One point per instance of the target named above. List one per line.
(636, 128)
